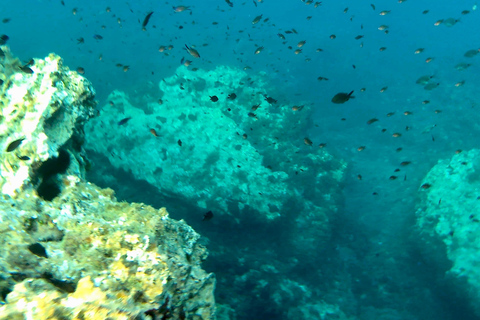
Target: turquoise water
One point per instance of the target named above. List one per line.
(373, 248)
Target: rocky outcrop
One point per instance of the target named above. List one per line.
(68, 249)
(448, 221)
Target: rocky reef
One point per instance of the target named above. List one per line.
(225, 141)
(69, 249)
(448, 222)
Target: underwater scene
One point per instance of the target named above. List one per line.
(237, 160)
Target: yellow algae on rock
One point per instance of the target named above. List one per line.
(68, 249)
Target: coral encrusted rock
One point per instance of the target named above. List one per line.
(69, 249)
(448, 221)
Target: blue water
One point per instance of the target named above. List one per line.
(368, 224)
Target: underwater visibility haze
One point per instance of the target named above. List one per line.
(273, 159)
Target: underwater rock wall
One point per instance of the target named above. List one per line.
(78, 253)
(43, 108)
(219, 155)
(274, 195)
(448, 221)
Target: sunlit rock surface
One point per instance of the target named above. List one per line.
(448, 220)
(68, 249)
(47, 109)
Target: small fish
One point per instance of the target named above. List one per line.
(332, 36)
(373, 6)
(428, 60)
(468, 54)
(181, 8)
(383, 89)
(6, 20)
(393, 177)
(80, 40)
(359, 176)
(207, 216)
(359, 37)
(298, 51)
(179, 142)
(97, 37)
(25, 69)
(425, 11)
(405, 163)
(407, 113)
(231, 96)
(14, 145)
(23, 158)
(361, 148)
(301, 43)
(419, 50)
(281, 36)
(257, 19)
(124, 121)
(81, 70)
(307, 141)
(230, 4)
(322, 145)
(322, 78)
(396, 135)
(372, 120)
(258, 50)
(383, 27)
(438, 22)
(154, 133)
(270, 100)
(213, 98)
(384, 12)
(3, 39)
(146, 20)
(460, 83)
(426, 186)
(342, 97)
(193, 52)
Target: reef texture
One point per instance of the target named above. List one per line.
(245, 158)
(43, 106)
(222, 155)
(448, 220)
(75, 252)
(101, 259)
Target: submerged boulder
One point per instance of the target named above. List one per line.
(448, 222)
(69, 249)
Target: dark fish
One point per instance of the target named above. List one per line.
(3, 39)
(358, 37)
(425, 186)
(124, 120)
(193, 52)
(214, 98)
(207, 216)
(2, 54)
(232, 96)
(147, 18)
(80, 40)
(1, 82)
(97, 37)
(23, 158)
(270, 100)
(230, 3)
(14, 145)
(179, 142)
(6, 20)
(341, 97)
(372, 120)
(26, 69)
(38, 250)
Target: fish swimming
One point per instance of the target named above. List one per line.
(342, 97)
